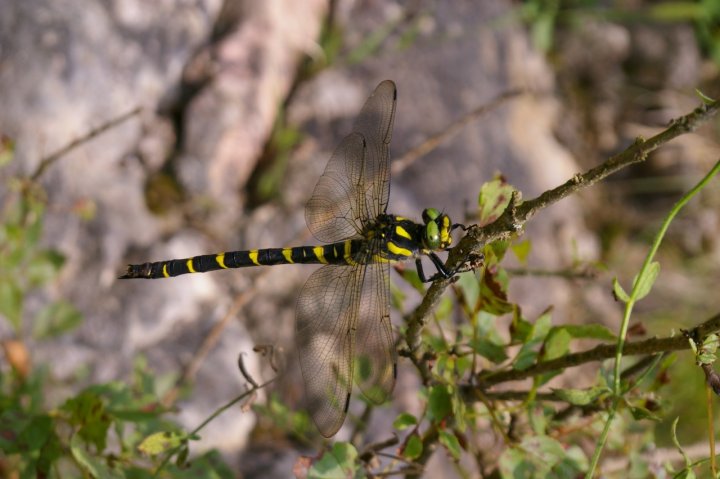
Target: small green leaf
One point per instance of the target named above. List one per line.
(161, 442)
(643, 285)
(488, 350)
(36, 433)
(640, 412)
(339, 462)
(522, 250)
(676, 441)
(494, 197)
(87, 411)
(589, 331)
(11, 301)
(528, 353)
(445, 308)
(470, 288)
(619, 292)
(557, 343)
(404, 421)
(581, 397)
(534, 457)
(7, 150)
(43, 266)
(397, 297)
(493, 294)
(705, 99)
(90, 463)
(413, 448)
(451, 443)
(439, 403)
(56, 319)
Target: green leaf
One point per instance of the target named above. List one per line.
(7, 150)
(87, 411)
(705, 99)
(677, 11)
(676, 441)
(413, 447)
(451, 443)
(558, 339)
(619, 292)
(11, 301)
(470, 288)
(644, 284)
(397, 297)
(439, 403)
(493, 294)
(527, 355)
(534, 457)
(589, 331)
(56, 319)
(161, 442)
(339, 462)
(36, 433)
(494, 197)
(44, 266)
(413, 279)
(522, 250)
(581, 397)
(404, 421)
(488, 350)
(640, 413)
(557, 343)
(444, 308)
(92, 464)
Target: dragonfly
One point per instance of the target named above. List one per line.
(343, 332)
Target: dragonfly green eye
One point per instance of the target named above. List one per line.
(437, 229)
(430, 214)
(432, 235)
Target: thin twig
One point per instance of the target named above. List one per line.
(53, 157)
(599, 353)
(400, 164)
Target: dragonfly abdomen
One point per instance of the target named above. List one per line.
(335, 253)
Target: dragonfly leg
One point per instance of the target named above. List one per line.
(474, 262)
(442, 272)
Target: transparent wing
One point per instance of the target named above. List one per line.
(325, 337)
(333, 212)
(375, 124)
(355, 187)
(374, 344)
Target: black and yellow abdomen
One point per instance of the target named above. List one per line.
(335, 253)
(391, 238)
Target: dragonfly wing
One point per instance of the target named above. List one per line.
(355, 187)
(333, 212)
(375, 124)
(375, 356)
(325, 337)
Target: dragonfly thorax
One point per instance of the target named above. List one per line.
(397, 238)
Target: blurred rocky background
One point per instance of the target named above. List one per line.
(241, 104)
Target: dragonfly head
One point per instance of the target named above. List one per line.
(436, 234)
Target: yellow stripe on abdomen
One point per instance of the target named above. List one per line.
(347, 256)
(287, 254)
(220, 260)
(319, 253)
(165, 271)
(189, 265)
(253, 254)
